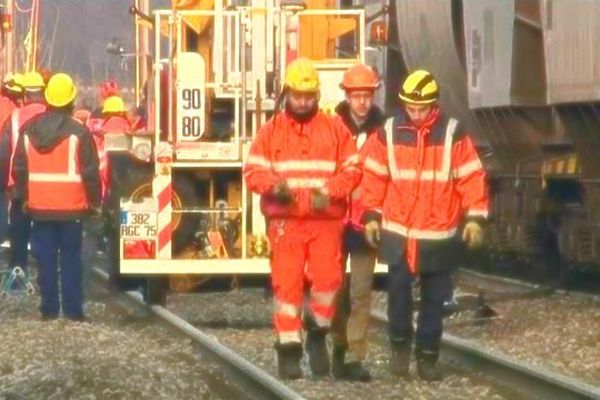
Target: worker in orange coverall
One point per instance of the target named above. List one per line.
(304, 164)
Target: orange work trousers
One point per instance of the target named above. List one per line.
(304, 250)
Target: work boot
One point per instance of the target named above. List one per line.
(400, 357)
(355, 371)
(316, 348)
(288, 360)
(427, 367)
(337, 361)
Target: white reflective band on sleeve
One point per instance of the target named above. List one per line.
(305, 183)
(375, 167)
(304, 165)
(467, 168)
(258, 160)
(14, 129)
(323, 298)
(286, 308)
(289, 337)
(417, 233)
(477, 213)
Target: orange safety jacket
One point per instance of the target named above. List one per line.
(318, 153)
(421, 182)
(371, 126)
(19, 118)
(115, 124)
(54, 181)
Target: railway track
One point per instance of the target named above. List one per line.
(522, 379)
(250, 381)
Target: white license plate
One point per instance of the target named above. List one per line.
(136, 225)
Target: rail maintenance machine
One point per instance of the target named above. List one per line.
(179, 207)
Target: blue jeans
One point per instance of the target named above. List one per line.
(435, 288)
(19, 231)
(3, 216)
(54, 243)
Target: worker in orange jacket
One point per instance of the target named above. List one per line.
(20, 223)
(422, 181)
(349, 332)
(10, 99)
(304, 165)
(56, 174)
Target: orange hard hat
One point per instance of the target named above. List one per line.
(360, 76)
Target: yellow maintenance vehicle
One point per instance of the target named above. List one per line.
(212, 72)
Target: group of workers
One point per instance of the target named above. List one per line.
(407, 191)
(53, 178)
(357, 186)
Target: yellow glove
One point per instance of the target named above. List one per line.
(372, 234)
(473, 235)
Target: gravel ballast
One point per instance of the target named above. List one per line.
(241, 320)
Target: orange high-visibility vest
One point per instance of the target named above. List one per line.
(20, 117)
(55, 182)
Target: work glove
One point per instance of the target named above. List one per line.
(473, 235)
(96, 212)
(282, 194)
(372, 234)
(319, 199)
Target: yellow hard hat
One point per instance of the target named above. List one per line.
(114, 104)
(14, 82)
(419, 88)
(302, 76)
(33, 81)
(61, 90)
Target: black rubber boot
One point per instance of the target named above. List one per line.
(316, 348)
(288, 360)
(338, 368)
(400, 357)
(427, 367)
(355, 371)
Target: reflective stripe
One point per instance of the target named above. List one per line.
(352, 160)
(467, 168)
(389, 136)
(258, 160)
(288, 309)
(477, 213)
(418, 233)
(441, 175)
(305, 183)
(375, 167)
(322, 322)
(304, 165)
(14, 133)
(323, 298)
(290, 337)
(72, 175)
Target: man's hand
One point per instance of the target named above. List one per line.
(372, 233)
(473, 235)
(282, 194)
(25, 207)
(319, 200)
(96, 212)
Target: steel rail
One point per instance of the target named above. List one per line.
(516, 376)
(256, 382)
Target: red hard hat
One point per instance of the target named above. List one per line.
(109, 88)
(360, 76)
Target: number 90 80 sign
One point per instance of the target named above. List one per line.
(191, 125)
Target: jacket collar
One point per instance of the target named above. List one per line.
(375, 118)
